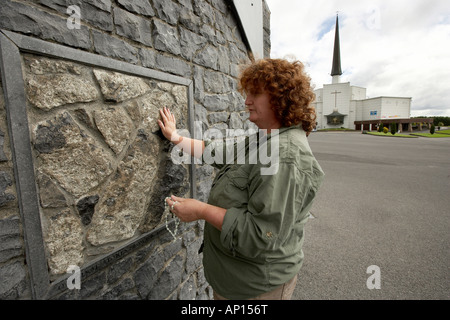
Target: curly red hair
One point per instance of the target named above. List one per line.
(288, 86)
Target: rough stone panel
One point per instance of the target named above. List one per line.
(79, 164)
(132, 26)
(148, 108)
(64, 240)
(86, 208)
(49, 137)
(141, 7)
(173, 179)
(83, 117)
(166, 37)
(122, 205)
(118, 87)
(180, 95)
(50, 195)
(115, 127)
(41, 65)
(49, 91)
(114, 48)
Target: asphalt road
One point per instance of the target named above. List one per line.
(384, 202)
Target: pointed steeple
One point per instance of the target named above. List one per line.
(336, 68)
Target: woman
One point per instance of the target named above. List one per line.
(254, 222)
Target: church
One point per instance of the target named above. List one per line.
(342, 105)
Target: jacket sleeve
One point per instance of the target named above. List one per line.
(273, 212)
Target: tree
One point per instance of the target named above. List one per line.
(432, 129)
(393, 128)
(380, 127)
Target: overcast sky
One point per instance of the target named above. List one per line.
(391, 47)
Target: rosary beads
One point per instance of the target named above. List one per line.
(167, 212)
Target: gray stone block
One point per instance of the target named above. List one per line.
(96, 12)
(141, 7)
(166, 38)
(27, 19)
(132, 26)
(114, 48)
(13, 275)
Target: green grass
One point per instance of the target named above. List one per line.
(398, 135)
(429, 135)
(443, 131)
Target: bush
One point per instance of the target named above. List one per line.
(381, 128)
(385, 130)
(432, 129)
(393, 128)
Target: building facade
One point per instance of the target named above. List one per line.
(341, 104)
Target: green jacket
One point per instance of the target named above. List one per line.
(260, 245)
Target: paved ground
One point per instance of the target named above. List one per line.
(384, 202)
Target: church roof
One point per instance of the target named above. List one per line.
(336, 68)
(335, 114)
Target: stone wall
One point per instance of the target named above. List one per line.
(101, 167)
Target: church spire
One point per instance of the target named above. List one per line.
(336, 68)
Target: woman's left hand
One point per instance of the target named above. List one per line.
(187, 210)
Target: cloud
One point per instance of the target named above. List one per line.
(392, 48)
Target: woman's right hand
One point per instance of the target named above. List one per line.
(168, 125)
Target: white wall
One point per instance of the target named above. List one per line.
(251, 15)
(395, 107)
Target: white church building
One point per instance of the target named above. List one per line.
(341, 104)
